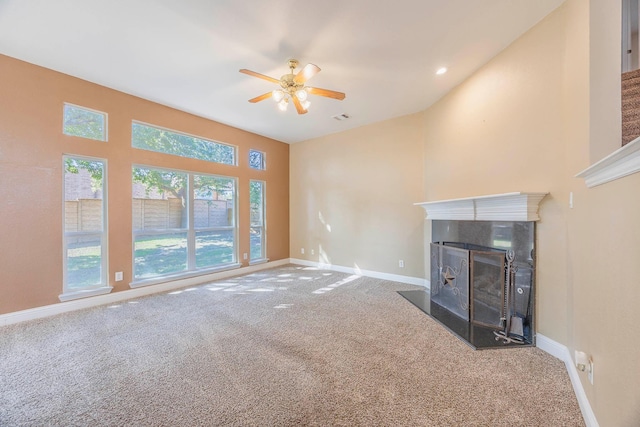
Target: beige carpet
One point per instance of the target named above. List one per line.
(287, 346)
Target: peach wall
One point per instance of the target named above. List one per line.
(31, 149)
(352, 198)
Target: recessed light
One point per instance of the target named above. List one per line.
(441, 71)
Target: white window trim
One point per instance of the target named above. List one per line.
(69, 296)
(622, 162)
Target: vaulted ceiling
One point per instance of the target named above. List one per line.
(186, 54)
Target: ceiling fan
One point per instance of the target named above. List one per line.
(292, 87)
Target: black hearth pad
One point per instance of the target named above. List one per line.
(477, 337)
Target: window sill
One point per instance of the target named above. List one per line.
(69, 296)
(620, 163)
(165, 279)
(258, 261)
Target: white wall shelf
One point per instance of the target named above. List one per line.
(622, 162)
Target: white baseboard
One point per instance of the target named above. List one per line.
(92, 301)
(562, 352)
(418, 281)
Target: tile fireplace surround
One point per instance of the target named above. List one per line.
(497, 225)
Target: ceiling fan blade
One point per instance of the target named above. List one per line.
(298, 105)
(306, 73)
(326, 92)
(258, 75)
(260, 98)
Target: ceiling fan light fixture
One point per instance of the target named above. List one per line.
(283, 103)
(277, 95)
(306, 104)
(301, 94)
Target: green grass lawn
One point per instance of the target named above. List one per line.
(154, 256)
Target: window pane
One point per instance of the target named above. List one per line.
(165, 141)
(256, 159)
(214, 201)
(160, 254)
(83, 196)
(78, 121)
(84, 262)
(159, 199)
(214, 248)
(256, 238)
(257, 202)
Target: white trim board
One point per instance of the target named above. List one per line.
(93, 301)
(418, 281)
(622, 162)
(562, 352)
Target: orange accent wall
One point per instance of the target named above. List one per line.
(31, 178)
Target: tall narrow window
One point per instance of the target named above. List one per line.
(84, 122)
(84, 225)
(160, 222)
(214, 220)
(257, 232)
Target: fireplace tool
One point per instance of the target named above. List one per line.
(513, 329)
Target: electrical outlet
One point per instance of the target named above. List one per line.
(401, 264)
(313, 252)
(590, 374)
(302, 251)
(244, 255)
(119, 276)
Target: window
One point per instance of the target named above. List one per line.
(214, 220)
(84, 224)
(257, 231)
(256, 159)
(83, 122)
(146, 137)
(182, 222)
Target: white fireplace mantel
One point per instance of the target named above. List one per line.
(495, 207)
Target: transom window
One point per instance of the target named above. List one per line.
(256, 159)
(84, 122)
(182, 222)
(153, 138)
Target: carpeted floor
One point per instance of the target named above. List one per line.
(287, 346)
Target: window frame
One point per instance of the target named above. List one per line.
(263, 157)
(102, 287)
(105, 137)
(191, 266)
(262, 226)
(190, 135)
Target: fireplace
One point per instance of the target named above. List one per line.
(482, 268)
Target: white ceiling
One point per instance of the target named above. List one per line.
(186, 53)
